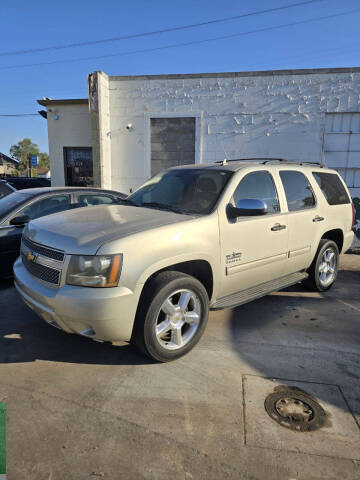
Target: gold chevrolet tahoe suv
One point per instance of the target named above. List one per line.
(191, 239)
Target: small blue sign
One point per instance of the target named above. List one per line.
(34, 160)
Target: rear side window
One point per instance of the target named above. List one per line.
(298, 191)
(332, 188)
(91, 199)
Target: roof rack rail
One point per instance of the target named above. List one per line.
(267, 160)
(255, 159)
(321, 165)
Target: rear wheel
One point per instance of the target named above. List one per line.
(172, 316)
(324, 269)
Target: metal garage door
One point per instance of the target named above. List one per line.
(342, 147)
(172, 142)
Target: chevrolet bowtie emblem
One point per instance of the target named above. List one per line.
(30, 257)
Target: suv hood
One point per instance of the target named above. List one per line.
(84, 230)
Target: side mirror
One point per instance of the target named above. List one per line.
(246, 207)
(20, 220)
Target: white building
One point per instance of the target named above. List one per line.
(132, 126)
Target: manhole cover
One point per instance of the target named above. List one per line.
(293, 408)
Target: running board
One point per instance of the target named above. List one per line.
(239, 298)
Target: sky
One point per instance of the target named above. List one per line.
(24, 78)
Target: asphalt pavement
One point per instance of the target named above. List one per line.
(77, 409)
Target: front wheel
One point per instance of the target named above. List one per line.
(172, 316)
(324, 269)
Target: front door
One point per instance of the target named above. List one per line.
(78, 166)
(254, 248)
(10, 239)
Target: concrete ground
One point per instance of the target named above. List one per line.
(83, 410)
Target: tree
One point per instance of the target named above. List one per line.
(44, 160)
(21, 151)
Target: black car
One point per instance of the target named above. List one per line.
(19, 183)
(5, 188)
(21, 206)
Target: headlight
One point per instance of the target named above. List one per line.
(94, 271)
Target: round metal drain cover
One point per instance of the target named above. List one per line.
(293, 408)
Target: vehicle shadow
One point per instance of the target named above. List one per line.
(24, 337)
(302, 336)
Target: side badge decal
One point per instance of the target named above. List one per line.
(233, 258)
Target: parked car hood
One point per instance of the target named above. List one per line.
(84, 230)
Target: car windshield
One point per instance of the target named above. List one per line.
(189, 191)
(11, 201)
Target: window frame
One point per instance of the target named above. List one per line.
(268, 214)
(310, 185)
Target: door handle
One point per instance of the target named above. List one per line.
(317, 218)
(277, 227)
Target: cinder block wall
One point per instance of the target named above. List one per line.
(238, 115)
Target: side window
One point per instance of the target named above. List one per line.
(90, 199)
(332, 188)
(46, 206)
(4, 190)
(298, 191)
(258, 185)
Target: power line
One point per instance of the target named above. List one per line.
(156, 32)
(20, 115)
(185, 44)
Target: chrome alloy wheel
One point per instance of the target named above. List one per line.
(178, 319)
(327, 267)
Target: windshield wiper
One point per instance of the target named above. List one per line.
(161, 206)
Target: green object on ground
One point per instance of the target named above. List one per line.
(2, 438)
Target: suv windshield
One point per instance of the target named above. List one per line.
(189, 191)
(11, 201)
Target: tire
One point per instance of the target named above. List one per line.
(171, 317)
(321, 276)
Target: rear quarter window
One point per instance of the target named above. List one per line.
(332, 188)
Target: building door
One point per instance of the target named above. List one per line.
(78, 166)
(172, 142)
(342, 147)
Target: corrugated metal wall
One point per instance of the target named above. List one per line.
(342, 146)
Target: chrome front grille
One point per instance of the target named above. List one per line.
(47, 274)
(42, 262)
(44, 251)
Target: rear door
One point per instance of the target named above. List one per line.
(253, 248)
(304, 219)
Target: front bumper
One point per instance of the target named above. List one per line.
(105, 314)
